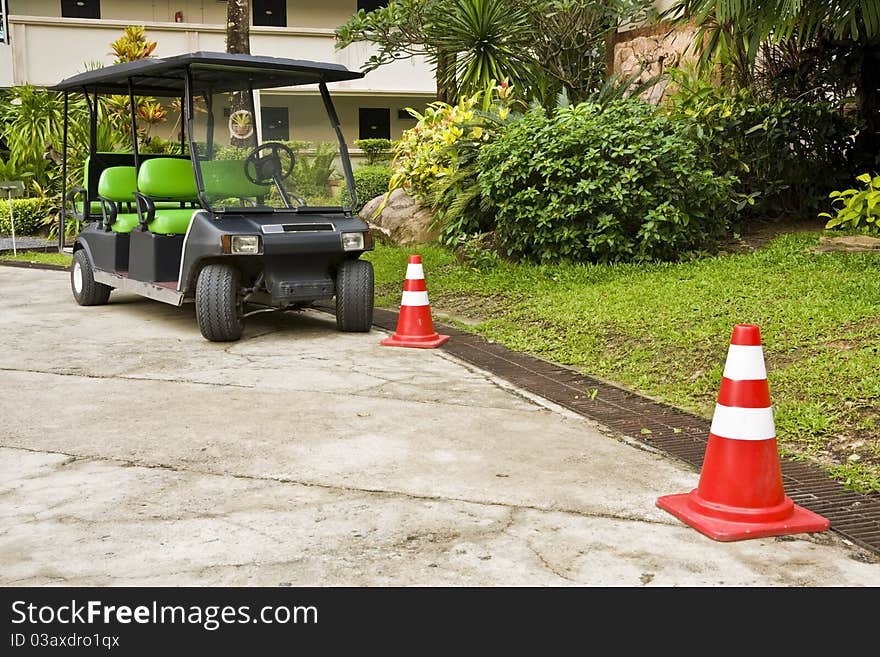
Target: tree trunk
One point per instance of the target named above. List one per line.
(238, 26)
(238, 41)
(447, 91)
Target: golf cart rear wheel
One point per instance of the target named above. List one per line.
(354, 296)
(86, 290)
(219, 306)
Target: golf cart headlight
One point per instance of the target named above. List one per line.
(241, 244)
(352, 241)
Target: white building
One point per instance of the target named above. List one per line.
(45, 41)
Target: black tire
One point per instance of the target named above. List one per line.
(219, 306)
(86, 290)
(354, 296)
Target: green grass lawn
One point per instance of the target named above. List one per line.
(39, 257)
(663, 330)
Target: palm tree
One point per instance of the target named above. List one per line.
(238, 27)
(238, 41)
(490, 41)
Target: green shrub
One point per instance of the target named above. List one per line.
(618, 182)
(376, 150)
(435, 161)
(370, 181)
(29, 214)
(787, 155)
(856, 209)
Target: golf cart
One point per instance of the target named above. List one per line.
(233, 225)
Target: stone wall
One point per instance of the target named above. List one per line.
(657, 48)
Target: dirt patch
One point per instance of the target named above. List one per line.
(466, 308)
(757, 234)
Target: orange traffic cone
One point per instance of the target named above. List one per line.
(414, 325)
(740, 493)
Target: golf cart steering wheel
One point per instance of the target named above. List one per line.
(266, 169)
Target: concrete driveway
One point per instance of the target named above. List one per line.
(134, 452)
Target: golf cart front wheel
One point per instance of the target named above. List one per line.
(354, 296)
(86, 290)
(219, 305)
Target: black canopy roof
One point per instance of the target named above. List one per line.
(212, 72)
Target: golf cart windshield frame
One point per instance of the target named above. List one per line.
(196, 74)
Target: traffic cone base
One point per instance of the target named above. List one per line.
(715, 520)
(740, 494)
(415, 328)
(425, 342)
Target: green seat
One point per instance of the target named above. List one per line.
(125, 222)
(118, 184)
(163, 180)
(171, 221)
(226, 179)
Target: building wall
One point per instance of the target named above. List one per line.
(304, 112)
(36, 30)
(300, 14)
(307, 119)
(5, 65)
(46, 49)
(36, 60)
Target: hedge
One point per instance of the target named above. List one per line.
(29, 214)
(370, 181)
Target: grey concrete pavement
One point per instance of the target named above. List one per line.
(134, 452)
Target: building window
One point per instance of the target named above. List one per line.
(81, 8)
(272, 13)
(370, 5)
(375, 123)
(276, 123)
(3, 28)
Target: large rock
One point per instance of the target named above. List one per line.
(403, 220)
(854, 243)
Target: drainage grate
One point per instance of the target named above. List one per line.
(680, 434)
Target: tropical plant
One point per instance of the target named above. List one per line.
(31, 120)
(786, 154)
(435, 161)
(9, 171)
(733, 32)
(490, 39)
(856, 209)
(314, 169)
(32, 124)
(540, 46)
(569, 41)
(399, 30)
(132, 45)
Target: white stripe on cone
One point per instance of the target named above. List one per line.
(414, 298)
(415, 271)
(743, 423)
(745, 363)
